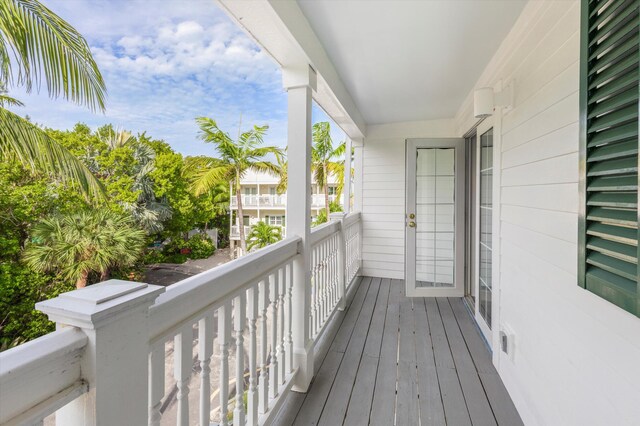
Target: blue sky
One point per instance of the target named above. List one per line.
(166, 62)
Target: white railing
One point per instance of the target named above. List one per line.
(249, 299)
(352, 231)
(325, 276)
(271, 200)
(41, 376)
(132, 353)
(247, 200)
(335, 262)
(235, 231)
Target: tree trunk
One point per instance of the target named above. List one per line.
(243, 241)
(82, 279)
(104, 275)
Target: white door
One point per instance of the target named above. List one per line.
(434, 219)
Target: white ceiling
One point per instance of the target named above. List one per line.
(407, 60)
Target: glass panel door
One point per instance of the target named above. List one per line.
(435, 197)
(485, 254)
(434, 253)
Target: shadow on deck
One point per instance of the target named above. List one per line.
(404, 361)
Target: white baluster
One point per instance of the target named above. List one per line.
(156, 382)
(288, 317)
(224, 331)
(252, 393)
(205, 350)
(314, 290)
(183, 363)
(281, 293)
(239, 316)
(273, 367)
(264, 375)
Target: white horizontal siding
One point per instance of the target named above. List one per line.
(576, 355)
(383, 193)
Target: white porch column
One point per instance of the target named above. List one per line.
(358, 146)
(299, 83)
(346, 202)
(115, 317)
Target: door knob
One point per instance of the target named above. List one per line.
(412, 216)
(412, 224)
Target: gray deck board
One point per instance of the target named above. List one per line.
(474, 395)
(336, 406)
(362, 394)
(407, 397)
(384, 395)
(501, 404)
(314, 402)
(429, 397)
(403, 361)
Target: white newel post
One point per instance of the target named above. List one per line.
(299, 83)
(115, 317)
(342, 259)
(346, 202)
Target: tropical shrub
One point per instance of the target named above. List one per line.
(76, 245)
(201, 247)
(262, 234)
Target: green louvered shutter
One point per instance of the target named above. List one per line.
(609, 94)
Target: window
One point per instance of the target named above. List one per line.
(332, 190)
(608, 233)
(275, 220)
(250, 190)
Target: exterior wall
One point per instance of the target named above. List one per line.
(257, 207)
(576, 356)
(383, 193)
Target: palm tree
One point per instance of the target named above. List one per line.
(89, 241)
(262, 234)
(322, 156)
(36, 47)
(236, 158)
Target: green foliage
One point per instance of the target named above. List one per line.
(262, 234)
(334, 207)
(25, 198)
(200, 247)
(38, 48)
(76, 245)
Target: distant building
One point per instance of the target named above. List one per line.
(261, 202)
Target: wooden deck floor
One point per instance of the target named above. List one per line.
(403, 361)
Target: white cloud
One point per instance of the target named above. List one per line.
(166, 62)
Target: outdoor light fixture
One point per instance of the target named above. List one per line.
(485, 100)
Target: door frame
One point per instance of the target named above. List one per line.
(411, 147)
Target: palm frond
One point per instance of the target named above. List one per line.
(206, 180)
(37, 151)
(46, 48)
(266, 167)
(9, 101)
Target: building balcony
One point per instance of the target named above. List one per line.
(279, 201)
(235, 231)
